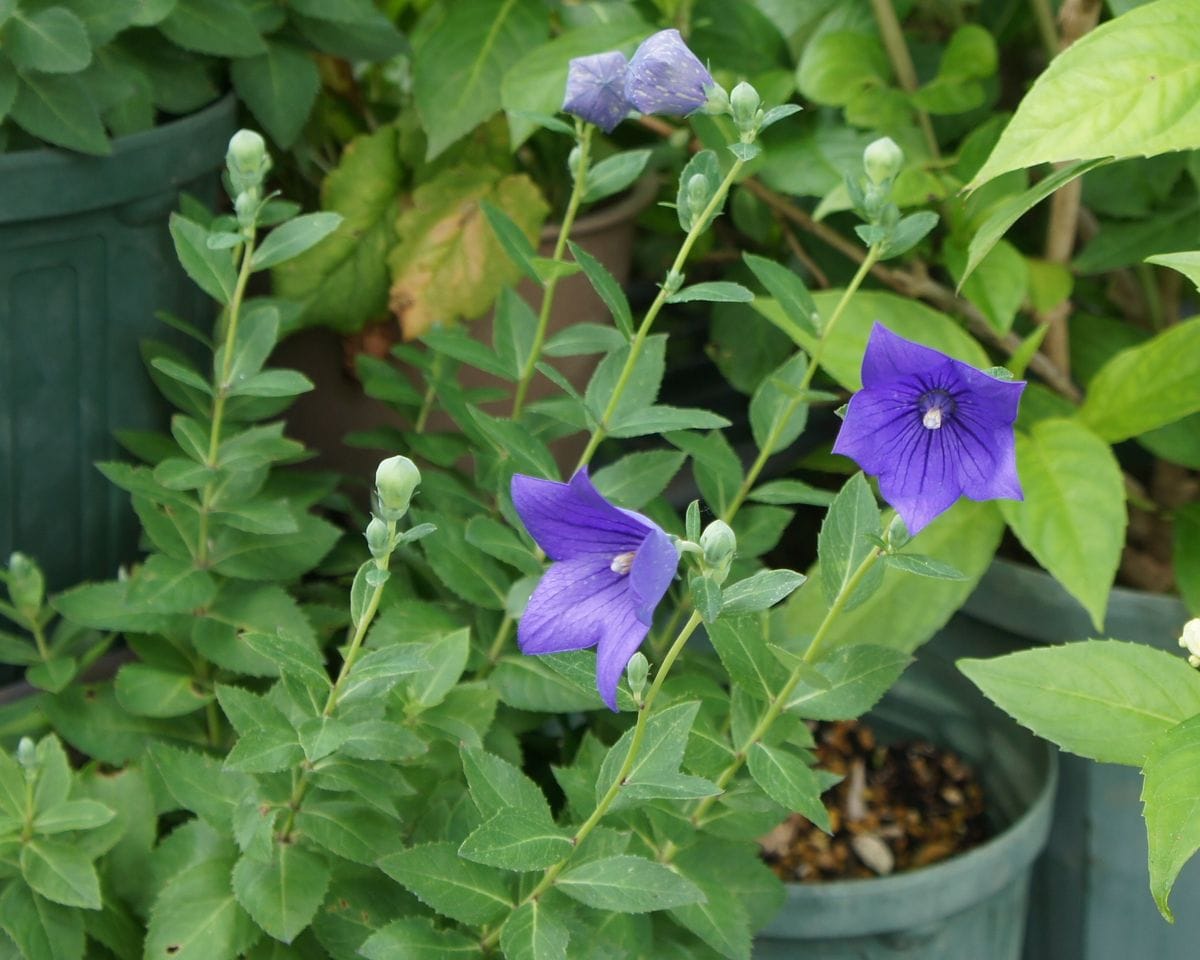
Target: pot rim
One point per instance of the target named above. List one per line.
(637, 198)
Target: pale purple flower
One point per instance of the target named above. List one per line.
(664, 76)
(596, 89)
(931, 428)
(611, 569)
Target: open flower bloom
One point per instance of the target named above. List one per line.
(611, 568)
(931, 428)
(664, 76)
(596, 89)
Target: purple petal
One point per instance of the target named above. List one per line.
(570, 605)
(889, 356)
(622, 635)
(923, 481)
(595, 89)
(571, 520)
(653, 569)
(875, 431)
(664, 76)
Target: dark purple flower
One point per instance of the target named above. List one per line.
(664, 76)
(611, 568)
(596, 89)
(930, 428)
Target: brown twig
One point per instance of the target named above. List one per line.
(803, 256)
(906, 73)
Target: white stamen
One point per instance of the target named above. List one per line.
(622, 563)
(933, 418)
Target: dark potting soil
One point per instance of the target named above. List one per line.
(899, 806)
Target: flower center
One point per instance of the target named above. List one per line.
(622, 563)
(935, 406)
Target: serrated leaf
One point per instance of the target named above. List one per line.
(282, 894)
(497, 785)
(292, 238)
(922, 566)
(655, 770)
(58, 109)
(848, 683)
(197, 917)
(60, 872)
(416, 938)
(51, 40)
(741, 644)
(1103, 699)
(845, 541)
(1171, 798)
(212, 270)
(464, 891)
(627, 884)
(614, 173)
(760, 591)
(789, 292)
(514, 838)
(40, 928)
(280, 87)
(150, 692)
(716, 291)
(72, 815)
(789, 781)
(606, 287)
(534, 933)
(198, 783)
(778, 409)
(219, 27)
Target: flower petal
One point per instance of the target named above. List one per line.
(922, 482)
(596, 89)
(877, 424)
(621, 637)
(664, 76)
(889, 356)
(572, 520)
(570, 605)
(653, 569)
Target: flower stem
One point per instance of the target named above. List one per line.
(564, 232)
(814, 362)
(220, 394)
(610, 795)
(643, 331)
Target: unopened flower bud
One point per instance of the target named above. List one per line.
(573, 159)
(1190, 641)
(697, 194)
(744, 102)
(27, 755)
(247, 161)
(717, 103)
(664, 76)
(882, 160)
(718, 541)
(26, 585)
(379, 540)
(636, 672)
(595, 90)
(395, 481)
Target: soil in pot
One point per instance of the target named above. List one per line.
(899, 806)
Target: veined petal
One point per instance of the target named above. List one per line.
(664, 76)
(572, 520)
(878, 424)
(921, 480)
(596, 89)
(621, 637)
(653, 569)
(889, 357)
(570, 605)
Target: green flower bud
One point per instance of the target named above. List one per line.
(882, 160)
(26, 585)
(395, 481)
(636, 672)
(27, 756)
(717, 103)
(744, 102)
(247, 161)
(379, 538)
(719, 543)
(573, 159)
(697, 194)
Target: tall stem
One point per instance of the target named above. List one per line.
(643, 331)
(614, 789)
(906, 73)
(564, 232)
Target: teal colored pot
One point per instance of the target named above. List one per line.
(85, 262)
(1091, 897)
(969, 907)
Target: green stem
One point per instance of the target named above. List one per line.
(220, 395)
(564, 233)
(610, 795)
(906, 73)
(497, 646)
(643, 331)
(814, 362)
(1044, 16)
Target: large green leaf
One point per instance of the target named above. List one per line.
(534, 933)
(279, 87)
(1187, 263)
(461, 59)
(416, 938)
(1103, 699)
(196, 916)
(40, 928)
(789, 781)
(845, 540)
(516, 839)
(628, 884)
(1171, 794)
(59, 110)
(459, 889)
(1073, 516)
(53, 40)
(1146, 386)
(283, 893)
(61, 872)
(1127, 89)
(223, 28)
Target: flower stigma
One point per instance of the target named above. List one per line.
(622, 563)
(934, 406)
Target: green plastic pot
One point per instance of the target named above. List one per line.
(85, 262)
(969, 907)
(1091, 896)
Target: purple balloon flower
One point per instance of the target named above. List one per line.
(596, 89)
(930, 428)
(611, 569)
(664, 76)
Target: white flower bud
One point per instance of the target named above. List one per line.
(636, 672)
(247, 151)
(882, 160)
(744, 102)
(379, 540)
(1190, 641)
(719, 542)
(395, 481)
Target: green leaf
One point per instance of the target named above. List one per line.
(716, 291)
(497, 785)
(613, 174)
(607, 288)
(38, 927)
(220, 27)
(377, 671)
(659, 418)
(196, 917)
(273, 383)
(447, 658)
(1187, 263)
(212, 270)
(349, 829)
(760, 591)
(655, 771)
(715, 465)
(741, 644)
(704, 164)
(530, 683)
(998, 287)
(282, 894)
(280, 87)
(150, 692)
(61, 872)
(198, 783)
(1073, 516)
(906, 234)
(461, 890)
(637, 478)
(1147, 386)
(789, 292)
(641, 387)
(628, 884)
(533, 933)
(1102, 699)
(1186, 554)
(778, 409)
(516, 839)
(462, 59)
(514, 332)
(853, 679)
(513, 239)
(581, 339)
(788, 781)
(52, 675)
(292, 238)
(416, 938)
(265, 750)
(706, 596)
(72, 815)
(846, 539)
(51, 40)
(791, 492)
(59, 110)
(922, 566)
(1171, 795)
(1113, 93)
(838, 65)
